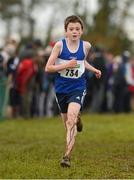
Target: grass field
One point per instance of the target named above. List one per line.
(32, 149)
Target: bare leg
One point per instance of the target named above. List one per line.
(64, 118)
(72, 114)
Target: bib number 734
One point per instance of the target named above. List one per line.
(71, 73)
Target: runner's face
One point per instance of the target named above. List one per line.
(74, 31)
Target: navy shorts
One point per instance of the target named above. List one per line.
(64, 99)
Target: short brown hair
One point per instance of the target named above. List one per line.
(73, 19)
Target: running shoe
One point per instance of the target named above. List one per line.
(65, 162)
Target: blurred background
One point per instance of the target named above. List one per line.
(28, 32)
(107, 22)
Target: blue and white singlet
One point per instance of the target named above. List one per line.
(71, 79)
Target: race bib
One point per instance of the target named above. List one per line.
(73, 73)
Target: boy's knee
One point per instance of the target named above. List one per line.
(69, 123)
(72, 116)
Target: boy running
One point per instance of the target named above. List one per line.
(68, 60)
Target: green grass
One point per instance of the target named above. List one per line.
(33, 149)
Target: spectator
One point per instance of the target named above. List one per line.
(130, 80)
(24, 83)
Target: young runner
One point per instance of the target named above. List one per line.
(68, 60)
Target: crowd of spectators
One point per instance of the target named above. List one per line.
(114, 92)
(27, 91)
